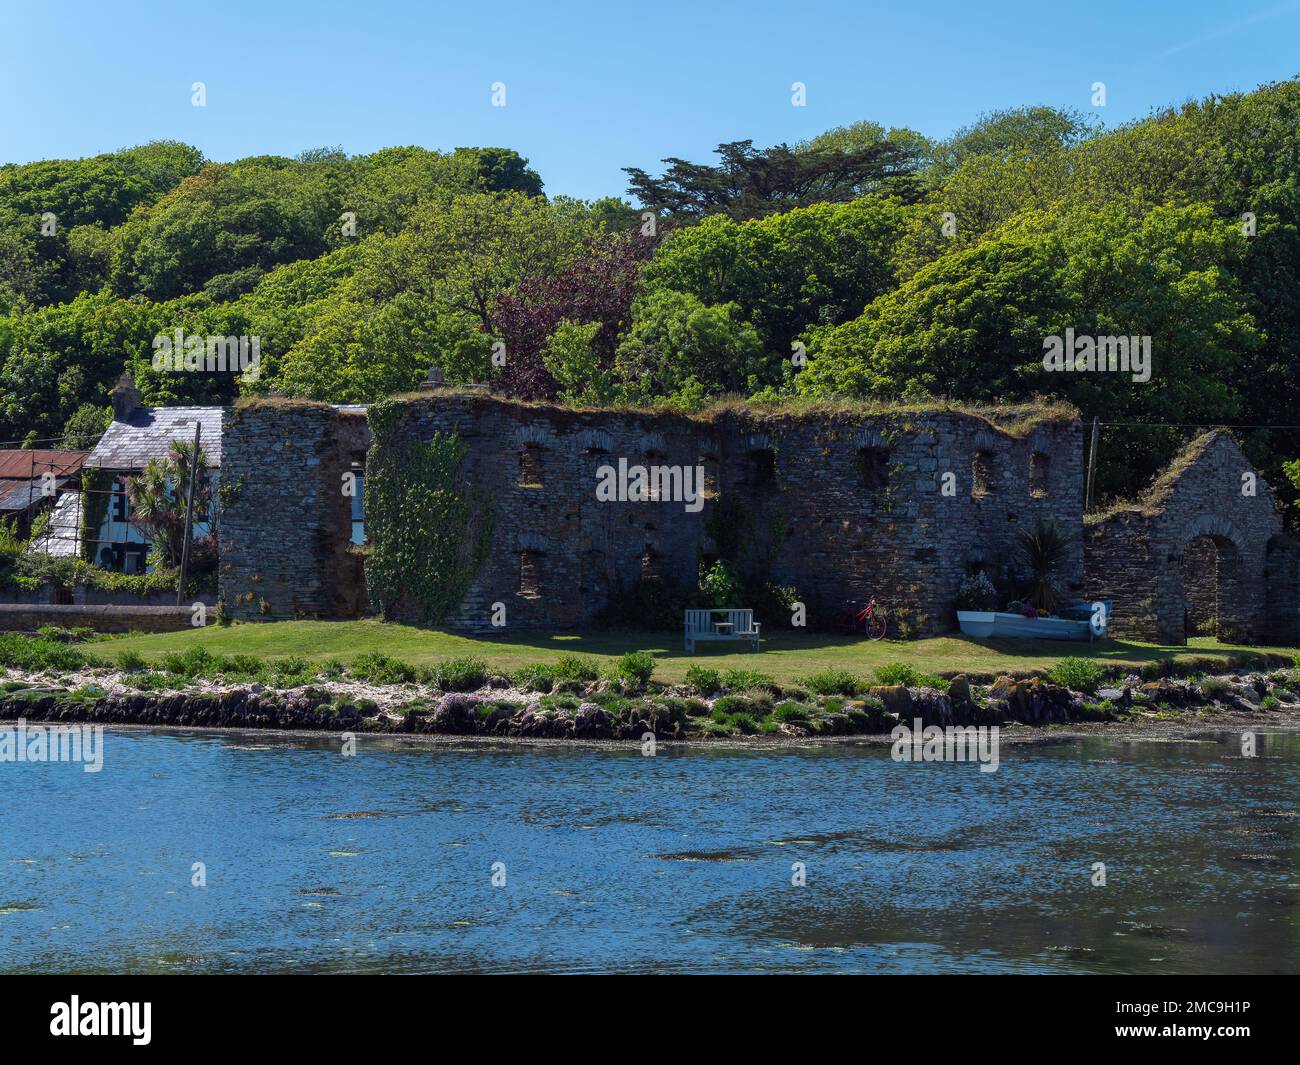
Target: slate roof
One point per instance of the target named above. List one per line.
(148, 433)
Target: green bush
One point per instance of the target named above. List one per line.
(334, 669)
(704, 681)
(242, 666)
(190, 663)
(459, 674)
(292, 671)
(131, 662)
(759, 698)
(728, 705)
(35, 653)
(833, 682)
(1214, 687)
(1077, 674)
(58, 632)
(908, 676)
(1270, 702)
(739, 679)
(574, 667)
(897, 673)
(636, 667)
(790, 711)
(380, 669)
(534, 678)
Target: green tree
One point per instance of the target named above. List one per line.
(676, 339)
(569, 357)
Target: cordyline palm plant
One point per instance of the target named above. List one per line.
(1043, 550)
(157, 496)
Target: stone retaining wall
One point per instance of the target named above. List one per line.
(28, 617)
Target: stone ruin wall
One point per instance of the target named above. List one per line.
(285, 522)
(841, 527)
(1137, 556)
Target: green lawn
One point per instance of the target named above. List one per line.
(785, 657)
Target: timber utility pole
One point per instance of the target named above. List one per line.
(189, 512)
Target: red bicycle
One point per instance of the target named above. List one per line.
(869, 620)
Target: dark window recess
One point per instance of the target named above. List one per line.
(530, 574)
(762, 467)
(982, 473)
(1040, 467)
(873, 468)
(530, 467)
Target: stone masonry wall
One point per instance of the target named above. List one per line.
(285, 521)
(910, 541)
(557, 552)
(1137, 555)
(841, 505)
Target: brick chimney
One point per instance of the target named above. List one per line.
(125, 397)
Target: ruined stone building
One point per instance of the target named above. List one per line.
(843, 503)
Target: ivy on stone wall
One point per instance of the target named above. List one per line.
(96, 488)
(429, 530)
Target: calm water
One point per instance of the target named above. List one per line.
(614, 861)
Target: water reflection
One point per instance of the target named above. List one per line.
(682, 862)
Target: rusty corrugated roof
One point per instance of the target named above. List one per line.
(22, 465)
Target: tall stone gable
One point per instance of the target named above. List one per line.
(1212, 504)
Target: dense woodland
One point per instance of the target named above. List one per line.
(904, 268)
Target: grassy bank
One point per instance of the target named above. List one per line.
(786, 657)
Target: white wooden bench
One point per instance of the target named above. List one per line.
(724, 624)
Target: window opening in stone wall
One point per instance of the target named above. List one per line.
(1039, 472)
(873, 469)
(762, 467)
(530, 574)
(530, 467)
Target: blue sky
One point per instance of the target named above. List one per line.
(594, 87)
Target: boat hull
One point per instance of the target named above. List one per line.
(991, 624)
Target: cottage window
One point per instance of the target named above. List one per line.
(530, 467)
(982, 473)
(1039, 473)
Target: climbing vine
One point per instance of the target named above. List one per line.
(429, 530)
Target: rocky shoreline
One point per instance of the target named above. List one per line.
(670, 713)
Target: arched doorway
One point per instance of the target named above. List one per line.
(1210, 568)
